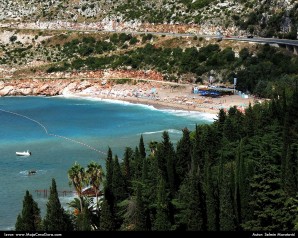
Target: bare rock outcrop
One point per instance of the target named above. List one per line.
(66, 83)
(7, 90)
(24, 91)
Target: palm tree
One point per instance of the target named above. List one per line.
(77, 177)
(94, 175)
(75, 204)
(153, 147)
(84, 219)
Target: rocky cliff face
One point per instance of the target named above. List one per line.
(266, 17)
(65, 83)
(32, 87)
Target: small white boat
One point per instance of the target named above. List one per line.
(24, 153)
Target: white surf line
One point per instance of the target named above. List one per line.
(50, 134)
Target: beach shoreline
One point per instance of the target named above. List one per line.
(164, 97)
(146, 103)
(158, 105)
(159, 94)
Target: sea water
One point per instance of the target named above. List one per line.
(61, 131)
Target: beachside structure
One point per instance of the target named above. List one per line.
(206, 92)
(89, 192)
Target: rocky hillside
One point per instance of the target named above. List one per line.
(52, 40)
(260, 17)
(24, 53)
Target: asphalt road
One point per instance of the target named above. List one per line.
(254, 39)
(236, 38)
(265, 40)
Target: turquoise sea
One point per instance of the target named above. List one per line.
(59, 131)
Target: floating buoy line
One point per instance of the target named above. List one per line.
(51, 134)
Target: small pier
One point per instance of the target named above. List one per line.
(46, 192)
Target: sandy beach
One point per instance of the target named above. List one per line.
(165, 96)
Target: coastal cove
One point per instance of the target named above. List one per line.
(162, 116)
(159, 94)
(95, 122)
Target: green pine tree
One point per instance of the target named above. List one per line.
(56, 219)
(184, 153)
(137, 164)
(142, 148)
(108, 188)
(109, 169)
(228, 129)
(226, 201)
(162, 220)
(242, 188)
(127, 169)
(161, 161)
(106, 218)
(29, 219)
(212, 206)
(19, 223)
(249, 121)
(286, 143)
(145, 171)
(171, 175)
(268, 200)
(197, 155)
(134, 212)
(118, 185)
(119, 192)
(149, 181)
(166, 159)
(140, 212)
(220, 121)
(190, 216)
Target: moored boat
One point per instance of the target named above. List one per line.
(31, 172)
(24, 153)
